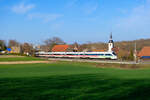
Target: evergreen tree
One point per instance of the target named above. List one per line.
(131, 55)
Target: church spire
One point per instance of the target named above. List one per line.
(111, 36)
(110, 40)
(110, 43)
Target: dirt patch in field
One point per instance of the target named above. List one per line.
(9, 56)
(25, 62)
(133, 66)
(122, 66)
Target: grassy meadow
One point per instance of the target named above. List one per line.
(72, 81)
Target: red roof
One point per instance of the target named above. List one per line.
(60, 48)
(115, 49)
(144, 52)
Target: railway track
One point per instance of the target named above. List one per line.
(94, 60)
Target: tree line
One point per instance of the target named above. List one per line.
(30, 48)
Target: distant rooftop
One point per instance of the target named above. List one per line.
(144, 52)
(60, 48)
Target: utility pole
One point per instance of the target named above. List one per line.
(135, 53)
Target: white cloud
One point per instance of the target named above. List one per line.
(137, 22)
(71, 3)
(57, 26)
(90, 8)
(22, 8)
(44, 17)
(85, 6)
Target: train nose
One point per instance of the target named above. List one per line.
(115, 57)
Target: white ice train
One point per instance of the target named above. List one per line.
(98, 55)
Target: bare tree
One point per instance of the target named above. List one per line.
(75, 47)
(44, 48)
(27, 48)
(13, 43)
(2, 45)
(53, 41)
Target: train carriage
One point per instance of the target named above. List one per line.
(100, 55)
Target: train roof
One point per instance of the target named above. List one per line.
(74, 52)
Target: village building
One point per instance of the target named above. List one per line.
(110, 44)
(61, 48)
(37, 48)
(15, 49)
(144, 53)
(64, 48)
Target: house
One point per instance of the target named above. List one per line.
(116, 50)
(61, 48)
(15, 49)
(144, 53)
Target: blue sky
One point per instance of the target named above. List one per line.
(74, 20)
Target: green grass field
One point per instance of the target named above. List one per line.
(20, 59)
(72, 81)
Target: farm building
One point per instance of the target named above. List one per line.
(64, 48)
(15, 49)
(144, 53)
(60, 48)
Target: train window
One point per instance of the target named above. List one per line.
(70, 54)
(75, 54)
(95, 54)
(101, 54)
(108, 55)
(89, 54)
(57, 54)
(81, 54)
(114, 53)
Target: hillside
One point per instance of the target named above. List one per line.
(128, 45)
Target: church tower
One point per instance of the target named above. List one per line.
(110, 44)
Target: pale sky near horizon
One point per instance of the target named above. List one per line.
(74, 20)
